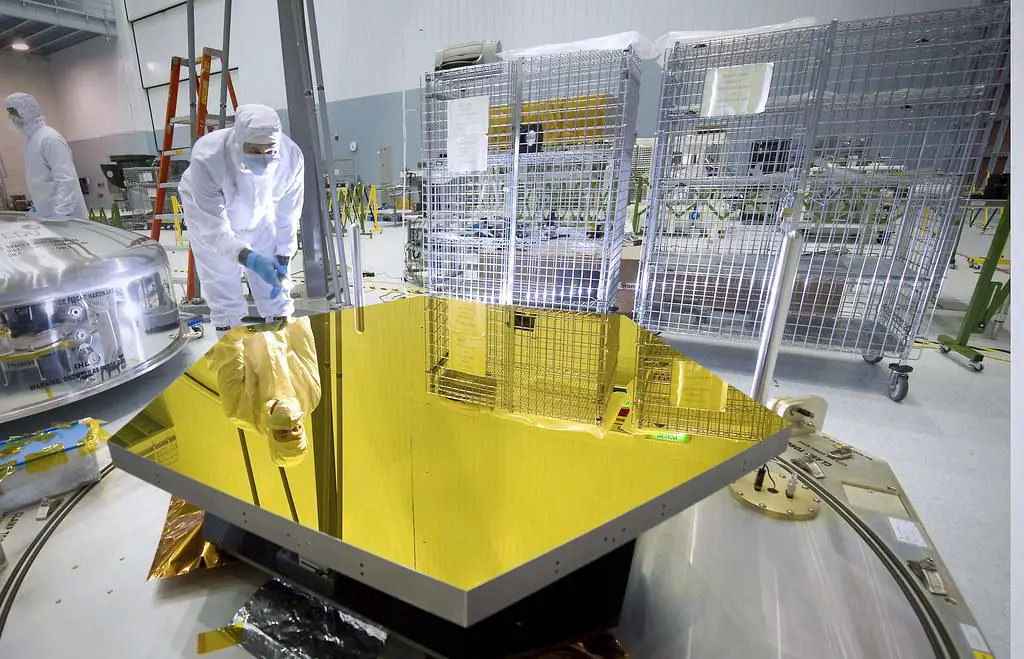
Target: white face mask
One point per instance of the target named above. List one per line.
(257, 163)
(15, 123)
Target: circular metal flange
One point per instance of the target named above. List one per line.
(803, 506)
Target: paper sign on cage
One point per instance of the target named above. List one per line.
(736, 90)
(467, 337)
(467, 134)
(694, 387)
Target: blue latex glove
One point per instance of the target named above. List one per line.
(269, 271)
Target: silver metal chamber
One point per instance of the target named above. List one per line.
(720, 580)
(83, 307)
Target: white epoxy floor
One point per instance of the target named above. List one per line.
(948, 442)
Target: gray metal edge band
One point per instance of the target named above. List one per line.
(412, 587)
(512, 586)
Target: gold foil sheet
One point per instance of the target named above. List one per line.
(182, 548)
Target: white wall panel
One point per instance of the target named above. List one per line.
(158, 100)
(137, 8)
(97, 84)
(383, 46)
(165, 35)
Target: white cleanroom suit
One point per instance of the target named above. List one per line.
(243, 208)
(49, 168)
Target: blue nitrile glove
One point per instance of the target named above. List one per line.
(268, 269)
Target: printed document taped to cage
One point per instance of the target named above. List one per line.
(467, 337)
(467, 134)
(736, 90)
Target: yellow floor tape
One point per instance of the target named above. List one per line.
(219, 639)
(996, 354)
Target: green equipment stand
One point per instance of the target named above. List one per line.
(988, 297)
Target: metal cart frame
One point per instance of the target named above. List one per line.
(542, 224)
(864, 141)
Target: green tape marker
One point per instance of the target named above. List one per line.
(680, 438)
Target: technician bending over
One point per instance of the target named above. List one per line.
(242, 197)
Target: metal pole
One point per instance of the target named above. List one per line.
(313, 223)
(789, 255)
(512, 188)
(357, 274)
(776, 314)
(225, 70)
(325, 140)
(190, 17)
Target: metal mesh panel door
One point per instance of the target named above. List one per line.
(577, 127)
(904, 115)
(466, 232)
(542, 226)
(723, 174)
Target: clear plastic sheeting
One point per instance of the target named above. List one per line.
(670, 39)
(280, 622)
(641, 45)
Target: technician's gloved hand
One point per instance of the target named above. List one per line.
(268, 269)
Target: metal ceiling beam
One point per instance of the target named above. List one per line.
(37, 12)
(13, 30)
(32, 39)
(78, 33)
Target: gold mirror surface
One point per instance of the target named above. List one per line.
(457, 439)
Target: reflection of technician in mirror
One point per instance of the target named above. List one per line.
(269, 380)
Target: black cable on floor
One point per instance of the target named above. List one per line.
(20, 570)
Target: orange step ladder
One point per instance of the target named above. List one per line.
(167, 150)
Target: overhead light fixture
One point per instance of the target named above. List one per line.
(20, 46)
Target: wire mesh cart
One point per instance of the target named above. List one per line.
(862, 134)
(527, 177)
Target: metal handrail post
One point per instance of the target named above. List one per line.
(776, 314)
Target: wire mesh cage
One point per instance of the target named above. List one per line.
(140, 188)
(527, 178)
(721, 180)
(864, 139)
(548, 363)
(903, 119)
(676, 394)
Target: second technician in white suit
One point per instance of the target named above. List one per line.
(242, 197)
(49, 167)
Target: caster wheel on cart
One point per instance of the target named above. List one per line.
(977, 367)
(871, 359)
(943, 348)
(899, 385)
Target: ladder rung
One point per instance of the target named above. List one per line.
(210, 119)
(215, 118)
(165, 216)
(180, 151)
(171, 185)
